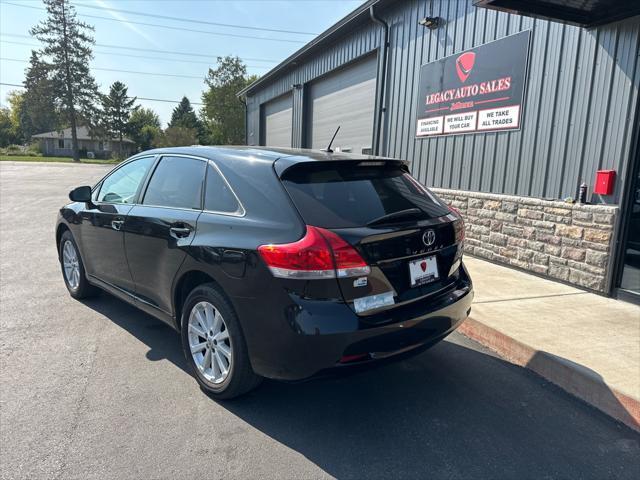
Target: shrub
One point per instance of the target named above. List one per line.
(13, 150)
(34, 150)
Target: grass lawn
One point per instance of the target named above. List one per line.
(26, 158)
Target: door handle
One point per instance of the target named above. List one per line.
(117, 224)
(180, 232)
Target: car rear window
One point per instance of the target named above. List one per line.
(348, 195)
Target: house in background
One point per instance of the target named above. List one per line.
(58, 144)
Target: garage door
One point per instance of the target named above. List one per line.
(277, 120)
(345, 98)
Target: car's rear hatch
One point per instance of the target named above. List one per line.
(411, 240)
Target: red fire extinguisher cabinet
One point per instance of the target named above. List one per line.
(605, 181)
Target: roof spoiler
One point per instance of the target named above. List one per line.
(283, 164)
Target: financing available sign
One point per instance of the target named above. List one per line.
(480, 90)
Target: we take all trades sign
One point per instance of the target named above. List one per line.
(479, 90)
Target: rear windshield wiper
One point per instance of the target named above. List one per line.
(409, 212)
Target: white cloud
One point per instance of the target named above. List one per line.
(125, 21)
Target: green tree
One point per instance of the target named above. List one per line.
(143, 127)
(223, 112)
(116, 110)
(183, 116)
(10, 130)
(7, 128)
(16, 102)
(38, 111)
(67, 42)
(176, 137)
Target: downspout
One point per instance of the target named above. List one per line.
(246, 119)
(382, 77)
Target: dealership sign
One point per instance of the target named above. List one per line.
(480, 90)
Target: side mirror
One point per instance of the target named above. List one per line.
(81, 194)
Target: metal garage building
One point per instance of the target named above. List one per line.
(503, 114)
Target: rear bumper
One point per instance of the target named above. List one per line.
(310, 337)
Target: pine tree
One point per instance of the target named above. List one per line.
(67, 42)
(183, 116)
(38, 110)
(116, 110)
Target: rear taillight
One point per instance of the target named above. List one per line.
(319, 254)
(348, 261)
(458, 224)
(455, 211)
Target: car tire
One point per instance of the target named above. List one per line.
(73, 272)
(221, 334)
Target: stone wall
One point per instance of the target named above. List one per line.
(569, 242)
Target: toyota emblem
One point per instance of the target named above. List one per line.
(429, 238)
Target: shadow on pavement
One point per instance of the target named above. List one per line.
(162, 340)
(451, 412)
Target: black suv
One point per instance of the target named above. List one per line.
(278, 263)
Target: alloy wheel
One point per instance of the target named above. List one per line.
(209, 342)
(71, 264)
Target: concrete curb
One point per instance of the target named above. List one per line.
(571, 377)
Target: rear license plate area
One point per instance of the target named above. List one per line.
(423, 270)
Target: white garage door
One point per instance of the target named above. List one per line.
(277, 121)
(345, 98)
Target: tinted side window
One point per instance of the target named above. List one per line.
(122, 185)
(177, 182)
(218, 195)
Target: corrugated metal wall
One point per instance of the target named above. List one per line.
(580, 100)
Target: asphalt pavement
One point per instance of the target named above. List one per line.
(98, 389)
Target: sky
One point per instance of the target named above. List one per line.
(146, 42)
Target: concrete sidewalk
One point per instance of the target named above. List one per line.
(587, 344)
